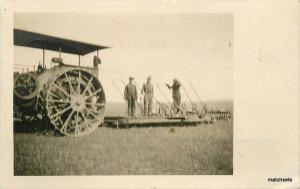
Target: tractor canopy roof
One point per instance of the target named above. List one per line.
(41, 41)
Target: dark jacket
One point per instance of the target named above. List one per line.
(130, 92)
(147, 89)
(176, 90)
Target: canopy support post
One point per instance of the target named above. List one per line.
(60, 52)
(43, 58)
(79, 60)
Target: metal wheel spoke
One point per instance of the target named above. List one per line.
(59, 101)
(62, 90)
(94, 93)
(64, 127)
(56, 119)
(87, 126)
(93, 110)
(61, 112)
(85, 120)
(76, 124)
(55, 106)
(87, 86)
(83, 115)
(69, 81)
(96, 104)
(53, 94)
(79, 81)
(94, 115)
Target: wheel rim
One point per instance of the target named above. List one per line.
(75, 103)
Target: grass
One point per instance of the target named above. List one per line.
(201, 150)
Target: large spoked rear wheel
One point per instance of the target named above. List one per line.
(75, 103)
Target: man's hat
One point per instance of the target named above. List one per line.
(149, 77)
(130, 78)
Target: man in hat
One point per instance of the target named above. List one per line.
(130, 96)
(147, 90)
(176, 94)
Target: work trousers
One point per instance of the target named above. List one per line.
(148, 102)
(177, 103)
(131, 107)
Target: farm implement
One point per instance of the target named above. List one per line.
(166, 114)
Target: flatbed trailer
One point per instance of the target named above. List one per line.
(154, 121)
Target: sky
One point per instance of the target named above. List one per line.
(196, 48)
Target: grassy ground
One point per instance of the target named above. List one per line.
(201, 150)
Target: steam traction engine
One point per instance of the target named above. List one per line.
(70, 97)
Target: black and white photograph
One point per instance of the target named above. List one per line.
(160, 94)
(123, 94)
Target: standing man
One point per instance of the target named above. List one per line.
(176, 94)
(147, 90)
(130, 96)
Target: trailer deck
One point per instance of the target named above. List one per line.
(127, 122)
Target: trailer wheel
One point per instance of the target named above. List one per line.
(75, 102)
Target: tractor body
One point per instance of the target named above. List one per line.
(70, 98)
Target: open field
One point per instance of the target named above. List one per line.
(201, 150)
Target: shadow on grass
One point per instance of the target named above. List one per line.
(39, 127)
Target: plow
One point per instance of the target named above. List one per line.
(192, 114)
(71, 99)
